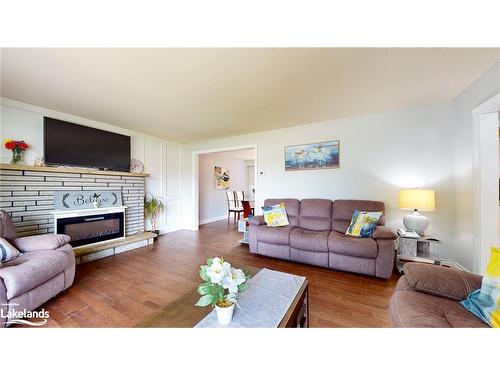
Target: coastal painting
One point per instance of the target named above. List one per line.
(322, 155)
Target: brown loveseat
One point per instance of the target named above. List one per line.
(428, 296)
(316, 235)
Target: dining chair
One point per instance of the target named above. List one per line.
(232, 205)
(247, 209)
(239, 195)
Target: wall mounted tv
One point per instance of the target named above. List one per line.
(66, 143)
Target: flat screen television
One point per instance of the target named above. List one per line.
(71, 144)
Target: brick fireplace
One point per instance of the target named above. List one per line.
(27, 194)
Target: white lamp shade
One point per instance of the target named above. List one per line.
(417, 199)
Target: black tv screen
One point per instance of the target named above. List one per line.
(66, 143)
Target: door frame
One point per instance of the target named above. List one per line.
(196, 181)
(485, 121)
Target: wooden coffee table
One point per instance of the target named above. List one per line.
(182, 313)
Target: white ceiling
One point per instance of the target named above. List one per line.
(193, 94)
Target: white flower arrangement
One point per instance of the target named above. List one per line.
(221, 283)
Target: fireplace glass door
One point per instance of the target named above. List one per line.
(84, 230)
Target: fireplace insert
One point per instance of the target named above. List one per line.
(84, 230)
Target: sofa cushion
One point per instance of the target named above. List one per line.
(315, 214)
(274, 235)
(353, 246)
(292, 207)
(340, 225)
(315, 258)
(320, 208)
(341, 262)
(309, 239)
(7, 228)
(415, 309)
(274, 251)
(32, 269)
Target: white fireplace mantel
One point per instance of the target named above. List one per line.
(59, 214)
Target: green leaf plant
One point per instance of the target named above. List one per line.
(152, 208)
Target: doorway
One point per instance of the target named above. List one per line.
(486, 122)
(223, 173)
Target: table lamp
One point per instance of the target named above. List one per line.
(417, 200)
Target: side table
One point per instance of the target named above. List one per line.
(416, 250)
(243, 228)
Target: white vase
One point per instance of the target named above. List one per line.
(224, 314)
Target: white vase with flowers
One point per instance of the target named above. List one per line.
(220, 287)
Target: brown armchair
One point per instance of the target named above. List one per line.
(45, 267)
(429, 295)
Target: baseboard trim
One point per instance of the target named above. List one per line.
(206, 221)
(169, 228)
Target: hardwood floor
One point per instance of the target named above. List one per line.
(121, 290)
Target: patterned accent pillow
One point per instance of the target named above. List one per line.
(485, 302)
(7, 251)
(275, 216)
(363, 223)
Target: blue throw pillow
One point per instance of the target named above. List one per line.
(7, 251)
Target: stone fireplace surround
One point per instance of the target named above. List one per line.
(27, 194)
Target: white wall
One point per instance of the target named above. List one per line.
(379, 155)
(212, 202)
(162, 159)
(481, 90)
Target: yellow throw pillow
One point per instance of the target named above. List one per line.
(485, 302)
(493, 267)
(275, 216)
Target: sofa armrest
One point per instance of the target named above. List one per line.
(384, 233)
(441, 281)
(41, 242)
(257, 220)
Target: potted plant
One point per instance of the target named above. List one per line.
(17, 147)
(220, 287)
(152, 208)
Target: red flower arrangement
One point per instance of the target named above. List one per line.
(17, 147)
(10, 144)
